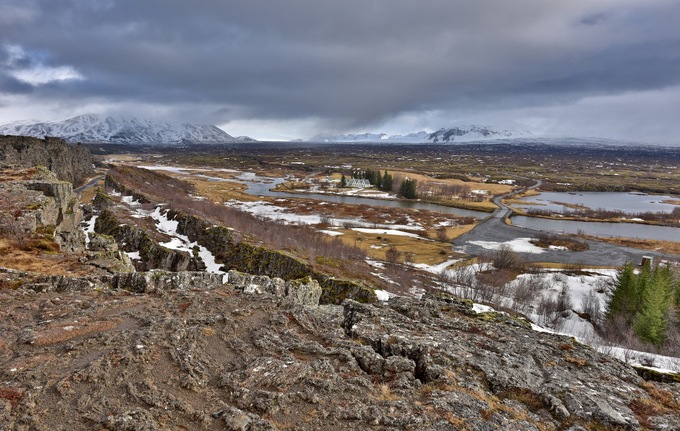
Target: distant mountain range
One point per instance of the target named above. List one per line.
(122, 130)
(453, 134)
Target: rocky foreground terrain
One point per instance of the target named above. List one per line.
(184, 351)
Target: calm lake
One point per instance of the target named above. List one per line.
(625, 230)
(626, 202)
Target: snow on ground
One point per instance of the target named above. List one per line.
(660, 363)
(129, 200)
(375, 263)
(580, 287)
(134, 255)
(520, 245)
(366, 193)
(179, 170)
(383, 295)
(331, 232)
(273, 212)
(386, 232)
(88, 228)
(436, 269)
(480, 308)
(182, 242)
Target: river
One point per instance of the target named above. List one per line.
(260, 186)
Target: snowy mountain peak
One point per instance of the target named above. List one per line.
(91, 128)
(457, 134)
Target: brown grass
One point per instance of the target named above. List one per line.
(493, 188)
(670, 247)
(88, 195)
(221, 191)
(18, 174)
(36, 261)
(386, 394)
(661, 402)
(423, 250)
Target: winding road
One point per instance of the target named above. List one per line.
(494, 229)
(89, 184)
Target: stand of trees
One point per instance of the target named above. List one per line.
(647, 302)
(385, 181)
(381, 181)
(407, 188)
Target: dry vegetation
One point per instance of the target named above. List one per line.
(546, 240)
(432, 248)
(302, 241)
(41, 256)
(18, 174)
(415, 250)
(669, 247)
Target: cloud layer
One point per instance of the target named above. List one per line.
(266, 67)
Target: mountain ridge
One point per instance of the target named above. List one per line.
(467, 133)
(92, 128)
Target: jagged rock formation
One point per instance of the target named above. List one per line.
(152, 255)
(39, 201)
(72, 163)
(215, 357)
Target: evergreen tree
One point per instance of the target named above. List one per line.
(624, 300)
(645, 300)
(651, 322)
(343, 181)
(386, 183)
(407, 188)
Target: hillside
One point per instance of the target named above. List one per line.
(121, 130)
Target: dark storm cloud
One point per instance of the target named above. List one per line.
(349, 62)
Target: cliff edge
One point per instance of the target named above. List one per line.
(72, 163)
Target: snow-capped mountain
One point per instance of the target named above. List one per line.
(121, 130)
(453, 134)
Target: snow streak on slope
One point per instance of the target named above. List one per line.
(135, 131)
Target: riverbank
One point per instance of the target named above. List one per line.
(287, 187)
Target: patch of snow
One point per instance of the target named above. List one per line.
(129, 200)
(134, 255)
(386, 232)
(375, 263)
(181, 242)
(520, 245)
(331, 232)
(383, 295)
(436, 269)
(88, 228)
(480, 308)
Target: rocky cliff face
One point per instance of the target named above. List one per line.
(72, 163)
(42, 202)
(191, 353)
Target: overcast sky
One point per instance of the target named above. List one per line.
(275, 69)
